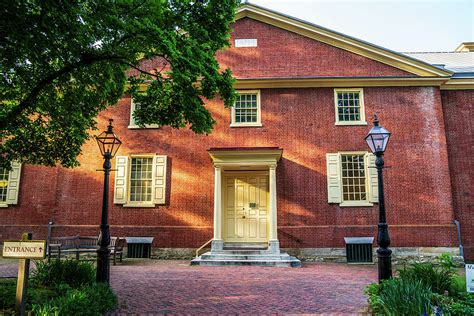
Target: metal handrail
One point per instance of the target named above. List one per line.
(200, 248)
(289, 235)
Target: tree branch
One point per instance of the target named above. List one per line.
(85, 60)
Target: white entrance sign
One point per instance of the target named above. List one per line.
(470, 277)
(34, 249)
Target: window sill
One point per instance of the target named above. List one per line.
(356, 204)
(147, 205)
(3, 205)
(350, 123)
(146, 127)
(246, 125)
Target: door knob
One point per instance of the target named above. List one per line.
(243, 216)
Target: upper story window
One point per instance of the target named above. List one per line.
(133, 124)
(349, 105)
(246, 111)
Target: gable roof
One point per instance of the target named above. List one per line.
(348, 43)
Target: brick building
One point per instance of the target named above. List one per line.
(287, 166)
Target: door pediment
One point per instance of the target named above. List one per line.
(241, 157)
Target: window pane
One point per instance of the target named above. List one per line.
(141, 179)
(353, 177)
(348, 106)
(246, 108)
(3, 184)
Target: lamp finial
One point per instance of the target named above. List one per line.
(376, 120)
(109, 128)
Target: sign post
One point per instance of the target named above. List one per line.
(470, 278)
(23, 250)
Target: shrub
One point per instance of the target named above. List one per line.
(7, 294)
(91, 300)
(400, 297)
(56, 274)
(439, 278)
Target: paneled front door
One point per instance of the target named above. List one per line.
(246, 207)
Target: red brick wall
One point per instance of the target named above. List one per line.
(301, 121)
(458, 116)
(281, 53)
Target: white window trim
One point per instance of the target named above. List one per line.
(361, 103)
(132, 124)
(129, 182)
(259, 111)
(366, 170)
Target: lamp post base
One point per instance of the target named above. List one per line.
(103, 267)
(384, 256)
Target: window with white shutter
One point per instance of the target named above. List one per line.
(140, 180)
(351, 179)
(10, 185)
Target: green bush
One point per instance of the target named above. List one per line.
(89, 300)
(63, 274)
(7, 294)
(400, 297)
(35, 295)
(439, 277)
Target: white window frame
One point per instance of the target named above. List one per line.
(259, 111)
(132, 124)
(129, 182)
(366, 170)
(13, 184)
(362, 120)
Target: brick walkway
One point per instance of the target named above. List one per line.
(160, 287)
(175, 287)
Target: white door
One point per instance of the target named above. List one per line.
(246, 208)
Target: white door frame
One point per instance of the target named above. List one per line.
(230, 159)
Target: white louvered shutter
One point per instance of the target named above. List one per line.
(159, 180)
(13, 183)
(121, 179)
(372, 179)
(334, 178)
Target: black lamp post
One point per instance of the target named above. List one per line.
(108, 144)
(377, 140)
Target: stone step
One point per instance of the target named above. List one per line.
(291, 262)
(245, 246)
(243, 252)
(223, 256)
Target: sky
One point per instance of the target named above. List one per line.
(399, 25)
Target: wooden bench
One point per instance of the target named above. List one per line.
(83, 244)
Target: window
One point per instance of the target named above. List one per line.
(10, 185)
(349, 107)
(246, 111)
(132, 124)
(140, 180)
(3, 184)
(352, 179)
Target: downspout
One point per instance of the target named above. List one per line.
(461, 249)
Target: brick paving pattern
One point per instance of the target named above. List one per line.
(173, 287)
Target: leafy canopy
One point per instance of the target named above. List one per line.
(62, 62)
